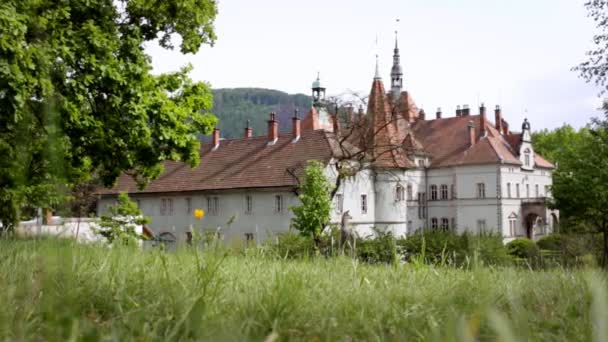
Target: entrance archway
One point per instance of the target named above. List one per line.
(530, 223)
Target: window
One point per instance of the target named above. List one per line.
(512, 224)
(248, 204)
(434, 223)
(445, 224)
(444, 192)
(339, 203)
(188, 205)
(433, 192)
(527, 157)
(481, 190)
(421, 162)
(508, 190)
(363, 204)
(166, 206)
(248, 237)
(517, 190)
(547, 190)
(536, 190)
(278, 204)
(527, 190)
(453, 191)
(481, 226)
(399, 193)
(409, 192)
(421, 205)
(213, 204)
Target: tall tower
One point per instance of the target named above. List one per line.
(396, 73)
(318, 92)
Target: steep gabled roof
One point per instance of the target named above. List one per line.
(448, 142)
(239, 163)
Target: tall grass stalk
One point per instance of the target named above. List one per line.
(58, 290)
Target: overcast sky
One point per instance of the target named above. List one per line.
(516, 53)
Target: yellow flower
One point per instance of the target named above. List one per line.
(199, 213)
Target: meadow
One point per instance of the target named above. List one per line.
(57, 290)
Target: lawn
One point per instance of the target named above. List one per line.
(57, 290)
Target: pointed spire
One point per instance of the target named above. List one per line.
(377, 75)
(396, 71)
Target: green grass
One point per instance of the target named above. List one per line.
(56, 290)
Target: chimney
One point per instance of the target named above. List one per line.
(438, 113)
(248, 130)
(421, 114)
(498, 119)
(273, 129)
(482, 120)
(465, 110)
(216, 138)
(505, 127)
(296, 126)
(458, 111)
(471, 127)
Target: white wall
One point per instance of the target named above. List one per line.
(263, 219)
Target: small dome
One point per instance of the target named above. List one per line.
(317, 83)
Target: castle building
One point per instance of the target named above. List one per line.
(458, 173)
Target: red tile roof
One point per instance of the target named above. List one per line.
(239, 163)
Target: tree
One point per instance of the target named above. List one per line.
(555, 144)
(311, 217)
(580, 184)
(595, 68)
(78, 99)
(119, 224)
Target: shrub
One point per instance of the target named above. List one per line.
(381, 248)
(438, 247)
(119, 224)
(523, 248)
(553, 242)
(292, 246)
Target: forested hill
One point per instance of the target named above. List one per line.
(234, 106)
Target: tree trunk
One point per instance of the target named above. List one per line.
(605, 251)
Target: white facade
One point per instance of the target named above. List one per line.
(474, 198)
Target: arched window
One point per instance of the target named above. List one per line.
(527, 157)
(433, 192)
(513, 224)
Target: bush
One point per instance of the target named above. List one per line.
(523, 248)
(382, 248)
(438, 247)
(553, 242)
(293, 246)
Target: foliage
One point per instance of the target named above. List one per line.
(573, 249)
(523, 248)
(580, 184)
(595, 68)
(234, 107)
(556, 145)
(119, 223)
(379, 249)
(552, 242)
(125, 294)
(312, 216)
(78, 99)
(439, 247)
